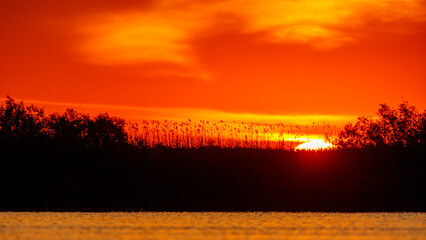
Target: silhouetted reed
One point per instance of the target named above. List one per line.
(196, 134)
(103, 129)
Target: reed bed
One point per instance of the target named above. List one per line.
(201, 133)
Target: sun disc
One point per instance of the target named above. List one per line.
(314, 145)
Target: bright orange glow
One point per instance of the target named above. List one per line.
(136, 114)
(315, 144)
(291, 61)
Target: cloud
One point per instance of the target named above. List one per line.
(160, 34)
(164, 31)
(133, 38)
(325, 23)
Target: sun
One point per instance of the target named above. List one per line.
(315, 144)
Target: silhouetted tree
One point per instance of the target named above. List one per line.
(404, 126)
(70, 126)
(105, 130)
(20, 122)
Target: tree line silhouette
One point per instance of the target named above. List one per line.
(72, 161)
(30, 123)
(402, 127)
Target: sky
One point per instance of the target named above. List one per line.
(289, 60)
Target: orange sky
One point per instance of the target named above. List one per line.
(276, 59)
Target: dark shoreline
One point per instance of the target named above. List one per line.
(212, 179)
(74, 162)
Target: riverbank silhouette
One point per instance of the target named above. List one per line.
(72, 162)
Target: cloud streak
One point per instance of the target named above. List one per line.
(181, 114)
(326, 23)
(165, 31)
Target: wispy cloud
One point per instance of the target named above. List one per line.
(135, 37)
(160, 34)
(164, 32)
(325, 23)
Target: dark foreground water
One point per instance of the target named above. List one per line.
(212, 225)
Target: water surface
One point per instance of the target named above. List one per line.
(212, 225)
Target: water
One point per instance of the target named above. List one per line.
(212, 225)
